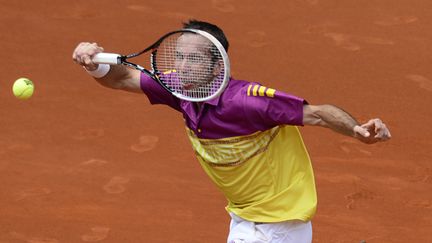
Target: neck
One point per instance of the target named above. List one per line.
(198, 105)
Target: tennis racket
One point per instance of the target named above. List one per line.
(191, 64)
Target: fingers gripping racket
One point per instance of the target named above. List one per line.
(189, 63)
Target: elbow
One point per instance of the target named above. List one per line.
(312, 116)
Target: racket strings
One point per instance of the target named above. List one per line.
(193, 69)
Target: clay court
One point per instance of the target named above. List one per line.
(82, 163)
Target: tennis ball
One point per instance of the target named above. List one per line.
(23, 88)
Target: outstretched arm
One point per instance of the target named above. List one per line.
(340, 121)
(118, 77)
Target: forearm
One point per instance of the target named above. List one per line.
(121, 77)
(336, 119)
(113, 79)
(340, 121)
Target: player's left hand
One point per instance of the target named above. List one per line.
(372, 131)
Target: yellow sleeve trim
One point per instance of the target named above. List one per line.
(255, 89)
(270, 93)
(261, 91)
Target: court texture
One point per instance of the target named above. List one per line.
(82, 163)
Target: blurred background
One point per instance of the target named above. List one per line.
(82, 163)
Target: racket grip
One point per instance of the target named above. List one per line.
(107, 58)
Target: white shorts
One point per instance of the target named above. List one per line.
(292, 231)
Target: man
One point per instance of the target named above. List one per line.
(247, 142)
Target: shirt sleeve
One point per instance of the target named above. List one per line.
(158, 94)
(266, 107)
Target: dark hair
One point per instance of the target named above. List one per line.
(209, 28)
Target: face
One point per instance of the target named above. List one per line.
(194, 63)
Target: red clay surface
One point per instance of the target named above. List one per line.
(81, 163)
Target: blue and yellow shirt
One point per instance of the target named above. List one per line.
(247, 142)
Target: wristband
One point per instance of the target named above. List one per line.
(100, 72)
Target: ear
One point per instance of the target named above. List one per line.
(217, 68)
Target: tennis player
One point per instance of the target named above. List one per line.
(247, 141)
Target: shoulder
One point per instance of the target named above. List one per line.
(242, 88)
(271, 106)
(248, 97)
(254, 93)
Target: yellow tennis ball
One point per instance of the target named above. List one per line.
(23, 88)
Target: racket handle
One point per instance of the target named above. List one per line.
(107, 58)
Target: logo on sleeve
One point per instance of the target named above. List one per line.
(259, 90)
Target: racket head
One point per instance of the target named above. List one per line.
(191, 64)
